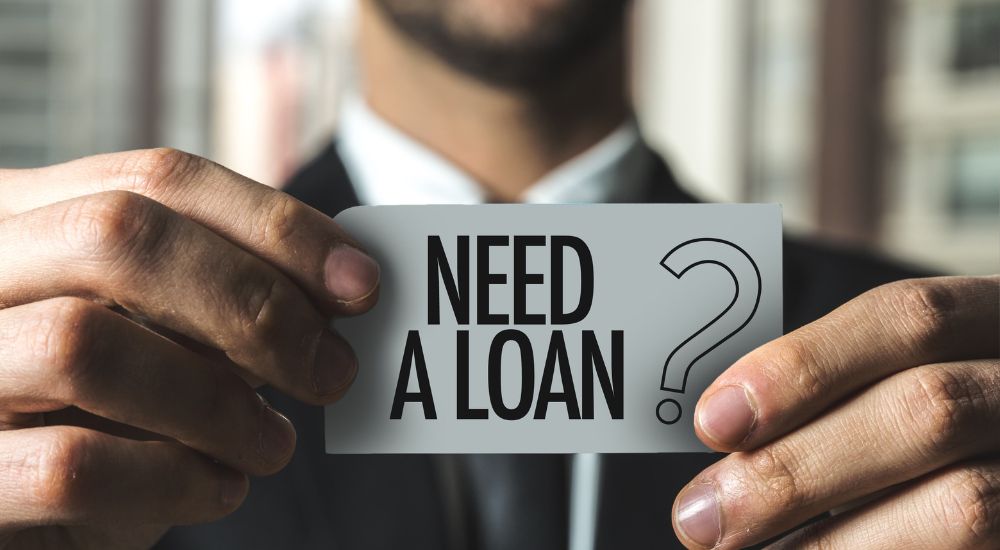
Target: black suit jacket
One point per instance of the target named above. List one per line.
(393, 501)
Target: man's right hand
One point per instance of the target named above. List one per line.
(110, 432)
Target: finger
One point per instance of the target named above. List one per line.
(125, 249)
(68, 351)
(787, 382)
(902, 428)
(61, 475)
(958, 508)
(302, 242)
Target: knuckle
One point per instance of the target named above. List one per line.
(924, 306)
(794, 363)
(283, 217)
(970, 506)
(939, 405)
(66, 340)
(151, 172)
(269, 316)
(61, 465)
(774, 478)
(114, 225)
(259, 307)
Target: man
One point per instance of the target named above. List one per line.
(884, 410)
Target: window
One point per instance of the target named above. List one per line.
(975, 179)
(977, 37)
(25, 61)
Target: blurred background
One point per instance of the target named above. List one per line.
(874, 122)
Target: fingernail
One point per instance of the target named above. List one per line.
(698, 515)
(277, 435)
(233, 488)
(350, 274)
(336, 366)
(728, 416)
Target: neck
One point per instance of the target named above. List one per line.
(506, 139)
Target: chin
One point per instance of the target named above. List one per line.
(505, 20)
(509, 43)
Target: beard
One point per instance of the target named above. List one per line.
(508, 43)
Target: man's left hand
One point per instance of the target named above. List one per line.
(886, 413)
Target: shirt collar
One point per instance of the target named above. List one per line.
(388, 167)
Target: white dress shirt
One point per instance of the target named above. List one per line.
(388, 167)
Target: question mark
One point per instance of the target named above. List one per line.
(741, 309)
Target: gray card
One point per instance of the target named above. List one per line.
(552, 329)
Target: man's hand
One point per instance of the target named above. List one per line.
(109, 431)
(885, 412)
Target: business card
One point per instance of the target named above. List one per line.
(552, 328)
